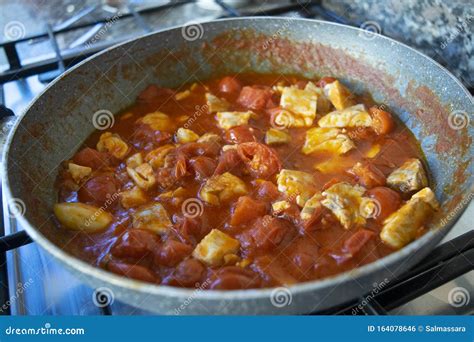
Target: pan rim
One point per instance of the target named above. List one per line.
(170, 291)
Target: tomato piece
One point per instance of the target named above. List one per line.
(304, 261)
(229, 85)
(165, 177)
(247, 209)
(268, 232)
(233, 278)
(172, 252)
(189, 273)
(190, 229)
(261, 160)
(145, 136)
(228, 161)
(353, 245)
(305, 254)
(368, 174)
(193, 149)
(92, 158)
(203, 167)
(274, 271)
(357, 241)
(254, 97)
(239, 135)
(291, 214)
(132, 271)
(272, 103)
(325, 80)
(331, 182)
(180, 166)
(267, 191)
(382, 121)
(387, 201)
(316, 216)
(153, 93)
(136, 243)
(99, 190)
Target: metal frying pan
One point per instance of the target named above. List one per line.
(425, 96)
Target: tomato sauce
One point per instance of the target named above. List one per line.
(274, 248)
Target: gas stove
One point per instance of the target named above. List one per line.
(34, 284)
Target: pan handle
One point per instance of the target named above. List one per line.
(14, 240)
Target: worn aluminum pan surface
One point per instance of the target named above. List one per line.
(425, 96)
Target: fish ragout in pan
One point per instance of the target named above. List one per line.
(244, 181)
